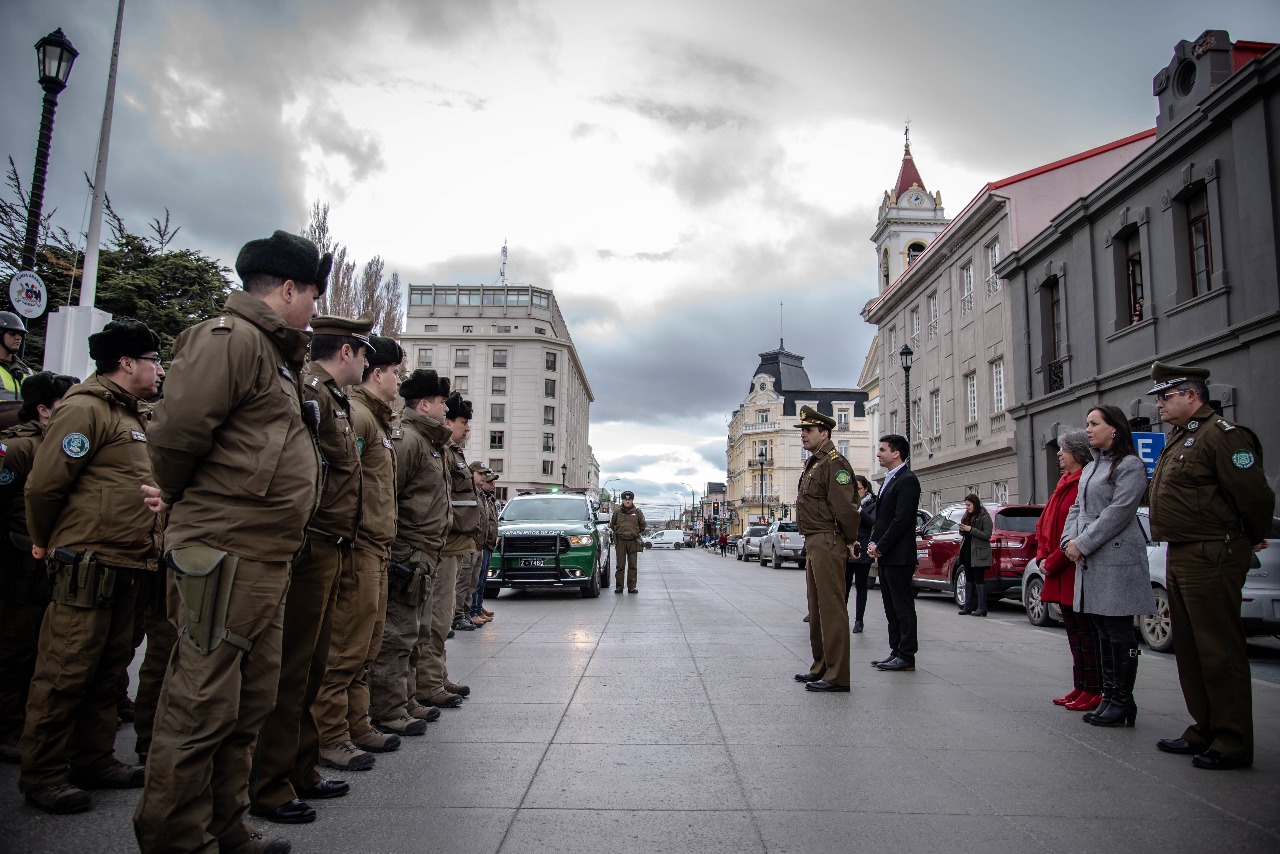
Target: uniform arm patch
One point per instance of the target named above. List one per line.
(75, 445)
(843, 477)
(1242, 459)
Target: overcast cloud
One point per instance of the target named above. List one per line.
(673, 170)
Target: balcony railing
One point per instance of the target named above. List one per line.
(915, 341)
(998, 422)
(761, 428)
(933, 329)
(966, 303)
(993, 285)
(1055, 376)
(971, 431)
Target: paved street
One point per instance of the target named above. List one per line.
(669, 722)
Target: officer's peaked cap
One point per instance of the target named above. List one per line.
(1167, 376)
(424, 383)
(124, 337)
(810, 417)
(457, 407)
(290, 256)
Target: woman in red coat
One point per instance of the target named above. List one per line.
(1060, 575)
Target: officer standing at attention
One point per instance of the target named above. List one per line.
(284, 768)
(342, 708)
(24, 583)
(627, 525)
(423, 519)
(827, 516)
(487, 496)
(237, 467)
(1211, 502)
(475, 565)
(96, 459)
(12, 369)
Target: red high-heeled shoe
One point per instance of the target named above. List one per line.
(1085, 702)
(1070, 698)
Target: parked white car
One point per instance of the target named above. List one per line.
(666, 540)
(782, 542)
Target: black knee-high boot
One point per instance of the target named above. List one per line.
(1108, 677)
(1122, 711)
(980, 599)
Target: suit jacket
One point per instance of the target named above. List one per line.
(894, 532)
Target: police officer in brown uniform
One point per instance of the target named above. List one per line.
(628, 526)
(24, 582)
(470, 569)
(1211, 503)
(488, 495)
(289, 747)
(342, 707)
(827, 515)
(96, 458)
(433, 685)
(423, 519)
(238, 471)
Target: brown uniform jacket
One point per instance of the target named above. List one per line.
(482, 532)
(1209, 484)
(627, 524)
(21, 442)
(371, 419)
(423, 516)
(491, 529)
(466, 504)
(339, 510)
(827, 500)
(83, 490)
(229, 447)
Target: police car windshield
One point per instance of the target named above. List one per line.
(547, 509)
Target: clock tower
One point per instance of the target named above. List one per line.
(910, 218)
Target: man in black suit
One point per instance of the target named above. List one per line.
(893, 543)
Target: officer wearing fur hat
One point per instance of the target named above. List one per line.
(95, 459)
(1210, 501)
(827, 515)
(238, 470)
(24, 583)
(628, 526)
(423, 519)
(342, 708)
(289, 745)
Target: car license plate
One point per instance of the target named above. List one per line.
(532, 561)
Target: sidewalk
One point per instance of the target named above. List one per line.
(669, 721)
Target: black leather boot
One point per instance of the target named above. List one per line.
(967, 607)
(1122, 711)
(1108, 681)
(980, 599)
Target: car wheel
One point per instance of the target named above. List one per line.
(958, 587)
(738, 555)
(1157, 630)
(1037, 609)
(592, 590)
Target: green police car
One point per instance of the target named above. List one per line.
(549, 538)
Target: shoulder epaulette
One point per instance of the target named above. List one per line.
(1226, 425)
(833, 454)
(224, 324)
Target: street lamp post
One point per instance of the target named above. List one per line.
(55, 55)
(564, 472)
(761, 462)
(905, 354)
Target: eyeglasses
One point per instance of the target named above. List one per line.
(1165, 395)
(155, 360)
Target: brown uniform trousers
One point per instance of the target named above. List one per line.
(1205, 579)
(71, 710)
(626, 553)
(159, 606)
(828, 608)
(289, 746)
(427, 659)
(392, 677)
(211, 710)
(342, 705)
(469, 570)
(24, 596)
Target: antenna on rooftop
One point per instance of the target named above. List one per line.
(502, 271)
(781, 346)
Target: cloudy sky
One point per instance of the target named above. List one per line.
(673, 169)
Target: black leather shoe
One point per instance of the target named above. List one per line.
(828, 687)
(633, 590)
(807, 677)
(291, 812)
(897, 665)
(1212, 760)
(885, 660)
(1176, 745)
(857, 627)
(617, 590)
(326, 789)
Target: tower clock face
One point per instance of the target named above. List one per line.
(915, 199)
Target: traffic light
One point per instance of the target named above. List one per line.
(715, 508)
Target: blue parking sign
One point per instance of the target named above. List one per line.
(1149, 447)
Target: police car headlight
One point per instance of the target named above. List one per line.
(584, 540)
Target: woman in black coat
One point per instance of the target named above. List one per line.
(857, 568)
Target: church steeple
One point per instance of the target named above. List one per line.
(908, 174)
(910, 218)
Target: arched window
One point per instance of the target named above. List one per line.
(914, 251)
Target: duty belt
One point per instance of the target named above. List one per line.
(317, 534)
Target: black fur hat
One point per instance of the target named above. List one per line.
(289, 255)
(424, 383)
(119, 338)
(43, 389)
(386, 351)
(458, 408)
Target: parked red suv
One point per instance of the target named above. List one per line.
(1013, 544)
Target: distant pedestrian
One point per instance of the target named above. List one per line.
(857, 569)
(1211, 502)
(1102, 537)
(893, 544)
(975, 555)
(1059, 574)
(724, 543)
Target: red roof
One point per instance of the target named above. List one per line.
(1242, 53)
(908, 175)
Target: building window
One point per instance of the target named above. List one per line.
(933, 315)
(762, 416)
(549, 442)
(551, 361)
(997, 384)
(495, 464)
(915, 416)
(425, 357)
(548, 468)
(500, 494)
(966, 288)
(431, 327)
(548, 415)
(496, 439)
(971, 396)
(548, 388)
(893, 346)
(419, 296)
(842, 419)
(470, 296)
(884, 271)
(915, 327)
(541, 299)
(935, 411)
(539, 330)
(935, 502)
(1200, 240)
(893, 422)
(1001, 492)
(914, 251)
(497, 412)
(502, 330)
(968, 490)
(1133, 275)
(843, 448)
(498, 385)
(499, 358)
(993, 258)
(461, 384)
(462, 357)
(467, 330)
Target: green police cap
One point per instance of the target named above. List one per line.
(476, 465)
(490, 476)
(359, 329)
(1167, 376)
(810, 417)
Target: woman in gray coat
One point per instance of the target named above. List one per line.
(1103, 539)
